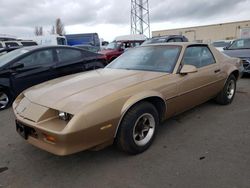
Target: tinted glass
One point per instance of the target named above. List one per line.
(1, 46)
(149, 58)
(11, 44)
(178, 40)
(39, 58)
(171, 40)
(240, 44)
(61, 41)
(199, 56)
(6, 58)
(29, 43)
(65, 55)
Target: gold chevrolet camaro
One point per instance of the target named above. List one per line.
(126, 101)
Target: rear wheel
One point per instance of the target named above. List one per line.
(226, 96)
(138, 128)
(5, 99)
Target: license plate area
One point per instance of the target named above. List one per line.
(25, 131)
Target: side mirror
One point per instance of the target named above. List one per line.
(17, 66)
(188, 69)
(225, 48)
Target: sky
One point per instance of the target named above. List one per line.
(111, 18)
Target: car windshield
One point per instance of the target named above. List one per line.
(113, 45)
(148, 58)
(221, 44)
(6, 58)
(240, 44)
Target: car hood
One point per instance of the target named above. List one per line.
(72, 93)
(238, 53)
(107, 51)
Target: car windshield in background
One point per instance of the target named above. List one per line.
(148, 58)
(6, 58)
(221, 44)
(113, 45)
(240, 44)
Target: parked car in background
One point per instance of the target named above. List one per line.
(48, 39)
(84, 39)
(27, 43)
(166, 38)
(7, 50)
(10, 44)
(88, 47)
(124, 102)
(120, 44)
(221, 44)
(240, 48)
(28, 66)
(17, 43)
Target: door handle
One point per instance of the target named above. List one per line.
(217, 70)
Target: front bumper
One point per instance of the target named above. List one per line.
(246, 65)
(38, 126)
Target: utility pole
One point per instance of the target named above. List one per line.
(140, 17)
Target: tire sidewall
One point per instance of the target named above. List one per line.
(130, 124)
(9, 98)
(230, 78)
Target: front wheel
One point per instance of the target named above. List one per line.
(5, 99)
(138, 128)
(227, 94)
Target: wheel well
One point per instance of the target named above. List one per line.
(236, 74)
(159, 104)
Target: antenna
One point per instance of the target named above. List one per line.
(140, 17)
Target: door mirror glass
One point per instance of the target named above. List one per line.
(188, 69)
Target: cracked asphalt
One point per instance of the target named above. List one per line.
(208, 147)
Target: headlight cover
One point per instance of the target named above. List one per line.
(64, 116)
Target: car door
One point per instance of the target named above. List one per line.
(35, 68)
(70, 61)
(196, 88)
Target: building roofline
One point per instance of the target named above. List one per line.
(200, 26)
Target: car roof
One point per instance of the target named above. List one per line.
(31, 48)
(183, 44)
(166, 36)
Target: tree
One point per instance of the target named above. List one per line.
(59, 27)
(38, 30)
(53, 30)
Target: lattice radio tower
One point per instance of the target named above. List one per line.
(140, 17)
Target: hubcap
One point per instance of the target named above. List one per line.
(4, 100)
(230, 89)
(144, 129)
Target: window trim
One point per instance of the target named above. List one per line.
(195, 45)
(37, 65)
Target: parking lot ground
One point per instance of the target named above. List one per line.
(207, 147)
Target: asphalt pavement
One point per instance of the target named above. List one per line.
(206, 147)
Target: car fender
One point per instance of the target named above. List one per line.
(135, 99)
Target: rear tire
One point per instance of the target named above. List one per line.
(138, 128)
(227, 94)
(5, 99)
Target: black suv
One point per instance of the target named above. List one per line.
(28, 66)
(166, 38)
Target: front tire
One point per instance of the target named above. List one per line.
(138, 128)
(227, 94)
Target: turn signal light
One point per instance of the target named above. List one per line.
(49, 138)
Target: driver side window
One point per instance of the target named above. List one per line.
(39, 58)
